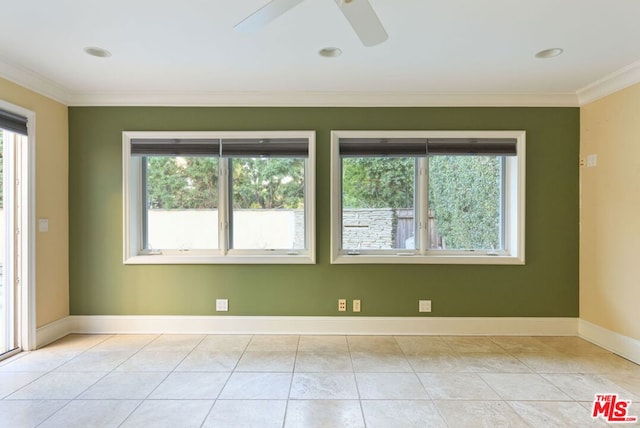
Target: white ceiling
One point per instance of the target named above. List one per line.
(186, 51)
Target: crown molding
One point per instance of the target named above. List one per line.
(322, 99)
(619, 79)
(44, 86)
(607, 85)
(33, 81)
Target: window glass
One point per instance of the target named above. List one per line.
(268, 209)
(442, 197)
(465, 202)
(200, 197)
(181, 202)
(378, 203)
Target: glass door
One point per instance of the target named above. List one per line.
(8, 298)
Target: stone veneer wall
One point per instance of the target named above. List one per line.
(371, 228)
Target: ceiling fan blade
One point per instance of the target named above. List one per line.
(266, 14)
(364, 21)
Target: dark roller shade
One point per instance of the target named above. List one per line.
(361, 147)
(175, 147)
(266, 147)
(13, 122)
(414, 147)
(472, 146)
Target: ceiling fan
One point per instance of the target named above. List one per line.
(359, 13)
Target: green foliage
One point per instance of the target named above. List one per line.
(182, 183)
(192, 183)
(268, 183)
(378, 182)
(464, 196)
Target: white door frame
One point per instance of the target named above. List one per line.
(26, 263)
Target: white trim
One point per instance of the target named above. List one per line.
(104, 324)
(427, 259)
(514, 326)
(625, 346)
(28, 311)
(323, 99)
(268, 258)
(27, 268)
(133, 206)
(51, 89)
(619, 79)
(33, 81)
(53, 331)
(514, 215)
(607, 85)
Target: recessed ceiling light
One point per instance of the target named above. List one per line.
(99, 52)
(330, 52)
(549, 53)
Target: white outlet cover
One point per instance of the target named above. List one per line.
(592, 161)
(43, 225)
(424, 306)
(222, 305)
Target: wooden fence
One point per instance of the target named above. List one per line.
(405, 229)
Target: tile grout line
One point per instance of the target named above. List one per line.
(293, 371)
(355, 380)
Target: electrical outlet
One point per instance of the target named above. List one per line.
(424, 306)
(222, 305)
(342, 305)
(356, 306)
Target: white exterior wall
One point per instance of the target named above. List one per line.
(198, 229)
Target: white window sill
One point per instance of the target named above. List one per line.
(159, 259)
(428, 259)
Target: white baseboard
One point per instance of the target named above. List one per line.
(52, 331)
(97, 324)
(516, 326)
(617, 343)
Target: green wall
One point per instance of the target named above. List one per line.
(101, 285)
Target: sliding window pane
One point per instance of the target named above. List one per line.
(182, 203)
(465, 202)
(378, 203)
(267, 200)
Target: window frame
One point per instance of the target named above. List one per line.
(514, 206)
(133, 209)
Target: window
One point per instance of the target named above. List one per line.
(428, 197)
(219, 197)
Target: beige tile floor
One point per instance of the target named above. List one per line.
(311, 381)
